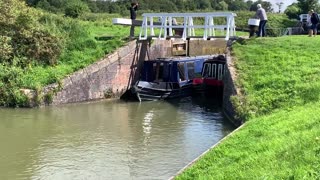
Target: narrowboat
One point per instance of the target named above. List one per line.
(168, 78)
(212, 73)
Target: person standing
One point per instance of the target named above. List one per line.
(262, 15)
(133, 16)
(313, 21)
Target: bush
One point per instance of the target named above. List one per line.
(75, 9)
(10, 94)
(6, 49)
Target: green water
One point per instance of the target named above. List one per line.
(107, 140)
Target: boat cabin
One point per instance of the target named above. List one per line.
(171, 70)
(213, 72)
(168, 78)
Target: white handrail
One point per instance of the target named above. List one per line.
(188, 26)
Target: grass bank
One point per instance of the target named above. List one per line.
(38, 48)
(279, 78)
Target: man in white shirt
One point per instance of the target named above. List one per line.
(262, 15)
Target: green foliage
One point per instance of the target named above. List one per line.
(307, 5)
(76, 8)
(54, 6)
(6, 49)
(293, 11)
(10, 94)
(223, 6)
(108, 93)
(38, 45)
(38, 48)
(24, 38)
(121, 6)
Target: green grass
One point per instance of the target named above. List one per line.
(279, 79)
(278, 72)
(283, 145)
(83, 48)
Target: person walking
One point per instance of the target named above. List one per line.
(313, 21)
(262, 15)
(133, 16)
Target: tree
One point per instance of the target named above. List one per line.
(190, 5)
(32, 2)
(238, 5)
(266, 5)
(307, 5)
(249, 3)
(279, 6)
(293, 11)
(223, 6)
(203, 4)
(179, 4)
(76, 8)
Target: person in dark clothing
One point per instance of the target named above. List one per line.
(314, 21)
(133, 16)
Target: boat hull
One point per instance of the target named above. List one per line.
(150, 91)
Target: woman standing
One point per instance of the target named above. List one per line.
(312, 22)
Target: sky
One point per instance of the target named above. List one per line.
(284, 6)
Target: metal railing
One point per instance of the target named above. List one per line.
(167, 24)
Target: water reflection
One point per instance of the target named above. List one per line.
(107, 140)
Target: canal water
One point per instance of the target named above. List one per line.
(107, 139)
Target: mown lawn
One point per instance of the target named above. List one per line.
(283, 145)
(279, 78)
(277, 73)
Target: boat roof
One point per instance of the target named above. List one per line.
(219, 58)
(181, 59)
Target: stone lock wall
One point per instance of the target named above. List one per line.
(109, 77)
(230, 90)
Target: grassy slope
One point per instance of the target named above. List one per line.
(278, 72)
(89, 51)
(283, 145)
(280, 78)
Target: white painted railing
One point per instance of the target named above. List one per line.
(166, 26)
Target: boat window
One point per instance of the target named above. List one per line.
(181, 71)
(158, 71)
(214, 71)
(198, 66)
(154, 71)
(206, 70)
(159, 75)
(220, 71)
(190, 66)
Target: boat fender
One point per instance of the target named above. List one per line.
(134, 89)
